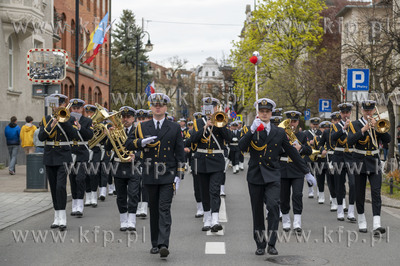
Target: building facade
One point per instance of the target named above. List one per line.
(94, 78)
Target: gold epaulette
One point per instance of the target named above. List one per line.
(352, 128)
(334, 127)
(195, 125)
(363, 142)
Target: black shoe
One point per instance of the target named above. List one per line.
(154, 250)
(310, 197)
(206, 228)
(131, 229)
(340, 219)
(379, 231)
(364, 230)
(352, 219)
(123, 229)
(73, 213)
(79, 214)
(164, 252)
(62, 227)
(115, 192)
(216, 227)
(272, 250)
(94, 205)
(54, 226)
(297, 230)
(286, 229)
(143, 215)
(102, 198)
(260, 251)
(199, 215)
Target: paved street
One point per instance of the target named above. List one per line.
(189, 245)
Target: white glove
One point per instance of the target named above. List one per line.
(177, 180)
(311, 179)
(148, 140)
(234, 139)
(255, 125)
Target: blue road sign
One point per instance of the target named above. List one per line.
(325, 106)
(307, 114)
(357, 79)
(233, 114)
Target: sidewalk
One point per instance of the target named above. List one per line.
(17, 205)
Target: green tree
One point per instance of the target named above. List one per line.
(286, 33)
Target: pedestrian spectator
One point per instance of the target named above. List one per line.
(12, 132)
(27, 131)
(39, 145)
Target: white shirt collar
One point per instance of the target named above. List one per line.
(129, 128)
(161, 122)
(268, 127)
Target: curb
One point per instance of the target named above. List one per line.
(2, 227)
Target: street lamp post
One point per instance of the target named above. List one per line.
(148, 48)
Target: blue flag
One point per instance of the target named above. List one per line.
(101, 31)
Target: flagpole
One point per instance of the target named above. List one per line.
(76, 48)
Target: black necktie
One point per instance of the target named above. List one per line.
(127, 131)
(158, 126)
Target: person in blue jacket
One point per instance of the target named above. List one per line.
(12, 132)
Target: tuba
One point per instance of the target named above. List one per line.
(285, 124)
(117, 137)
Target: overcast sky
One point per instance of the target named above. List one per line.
(192, 42)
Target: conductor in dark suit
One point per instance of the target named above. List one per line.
(365, 152)
(163, 167)
(264, 175)
(57, 151)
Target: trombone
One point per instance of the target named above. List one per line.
(382, 126)
(62, 115)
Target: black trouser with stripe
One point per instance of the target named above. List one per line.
(375, 181)
(57, 176)
(127, 193)
(270, 192)
(294, 187)
(160, 200)
(340, 180)
(196, 187)
(210, 189)
(77, 181)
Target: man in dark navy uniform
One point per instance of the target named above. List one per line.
(163, 156)
(264, 174)
(311, 135)
(210, 162)
(57, 152)
(343, 155)
(234, 151)
(361, 133)
(292, 178)
(81, 153)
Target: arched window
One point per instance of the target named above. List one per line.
(10, 64)
(97, 96)
(82, 92)
(71, 92)
(65, 92)
(90, 99)
(88, 5)
(73, 39)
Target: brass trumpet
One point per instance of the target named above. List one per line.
(381, 126)
(219, 119)
(62, 115)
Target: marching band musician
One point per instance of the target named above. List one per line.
(190, 149)
(57, 151)
(142, 116)
(292, 179)
(343, 155)
(311, 134)
(361, 134)
(243, 130)
(322, 161)
(276, 120)
(126, 180)
(99, 156)
(210, 162)
(81, 151)
(163, 156)
(326, 141)
(264, 174)
(234, 151)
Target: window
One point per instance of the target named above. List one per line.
(97, 96)
(71, 92)
(88, 5)
(73, 39)
(213, 73)
(65, 92)
(90, 96)
(206, 74)
(63, 32)
(83, 92)
(10, 64)
(37, 44)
